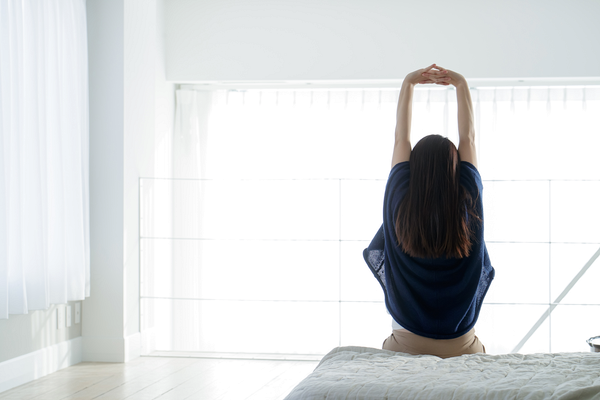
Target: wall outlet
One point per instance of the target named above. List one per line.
(60, 317)
(68, 316)
(77, 312)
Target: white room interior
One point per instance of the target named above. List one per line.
(141, 51)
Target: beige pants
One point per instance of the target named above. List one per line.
(407, 342)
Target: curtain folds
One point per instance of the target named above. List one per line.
(44, 201)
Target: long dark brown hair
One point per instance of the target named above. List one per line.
(436, 218)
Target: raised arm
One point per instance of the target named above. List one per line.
(431, 74)
(466, 124)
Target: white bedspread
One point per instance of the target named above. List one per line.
(367, 373)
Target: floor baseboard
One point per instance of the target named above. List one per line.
(29, 367)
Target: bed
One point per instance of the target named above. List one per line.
(368, 373)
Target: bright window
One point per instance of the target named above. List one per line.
(252, 240)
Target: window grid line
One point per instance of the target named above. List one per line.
(347, 301)
(334, 240)
(348, 179)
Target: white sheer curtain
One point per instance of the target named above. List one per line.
(256, 245)
(44, 212)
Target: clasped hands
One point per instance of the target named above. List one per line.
(434, 74)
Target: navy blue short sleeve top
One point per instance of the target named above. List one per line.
(438, 298)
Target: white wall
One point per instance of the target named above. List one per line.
(222, 40)
(140, 41)
(35, 331)
(103, 333)
(149, 104)
(127, 85)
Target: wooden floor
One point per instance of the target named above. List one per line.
(148, 378)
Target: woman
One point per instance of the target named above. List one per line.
(430, 256)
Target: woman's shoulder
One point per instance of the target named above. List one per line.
(399, 174)
(401, 166)
(470, 177)
(469, 167)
